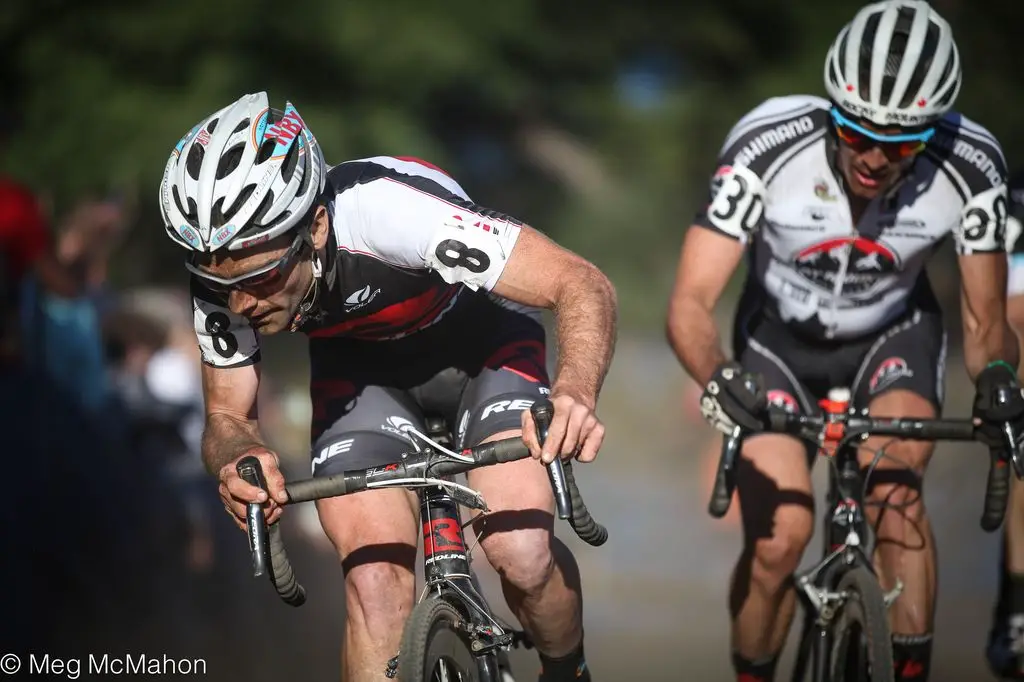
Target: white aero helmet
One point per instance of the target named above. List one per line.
(894, 64)
(241, 177)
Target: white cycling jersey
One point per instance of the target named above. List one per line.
(1014, 243)
(777, 190)
(405, 240)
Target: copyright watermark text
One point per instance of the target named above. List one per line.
(129, 665)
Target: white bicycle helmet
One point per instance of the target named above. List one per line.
(894, 64)
(241, 177)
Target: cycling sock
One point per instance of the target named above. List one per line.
(762, 670)
(569, 668)
(912, 655)
(1014, 594)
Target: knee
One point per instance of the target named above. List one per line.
(523, 558)
(892, 504)
(897, 488)
(775, 558)
(380, 595)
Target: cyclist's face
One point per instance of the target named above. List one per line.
(270, 298)
(873, 158)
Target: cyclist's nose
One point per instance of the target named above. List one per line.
(876, 159)
(242, 302)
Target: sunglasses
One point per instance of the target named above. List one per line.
(861, 138)
(270, 273)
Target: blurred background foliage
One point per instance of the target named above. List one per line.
(597, 122)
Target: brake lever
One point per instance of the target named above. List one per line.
(1010, 438)
(543, 412)
(251, 472)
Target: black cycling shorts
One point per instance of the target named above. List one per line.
(909, 354)
(479, 367)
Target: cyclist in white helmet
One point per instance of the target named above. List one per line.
(1005, 650)
(836, 205)
(413, 298)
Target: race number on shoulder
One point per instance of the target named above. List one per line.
(982, 227)
(225, 339)
(737, 205)
(472, 249)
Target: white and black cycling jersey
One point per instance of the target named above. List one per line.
(1014, 243)
(777, 189)
(405, 240)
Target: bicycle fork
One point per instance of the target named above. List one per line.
(846, 549)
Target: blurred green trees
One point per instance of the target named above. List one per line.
(597, 122)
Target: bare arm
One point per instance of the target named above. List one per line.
(541, 273)
(1015, 316)
(987, 334)
(231, 414)
(707, 261)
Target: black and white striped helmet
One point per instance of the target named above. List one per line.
(241, 177)
(894, 64)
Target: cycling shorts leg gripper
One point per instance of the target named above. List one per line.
(493, 400)
(372, 432)
(781, 383)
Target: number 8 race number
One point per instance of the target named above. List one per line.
(455, 254)
(224, 342)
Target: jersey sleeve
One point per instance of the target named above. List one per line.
(735, 203)
(974, 160)
(1015, 220)
(754, 150)
(982, 226)
(225, 339)
(1014, 242)
(417, 223)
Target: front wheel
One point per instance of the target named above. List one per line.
(862, 649)
(434, 646)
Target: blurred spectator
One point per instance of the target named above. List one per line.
(25, 250)
(156, 376)
(61, 327)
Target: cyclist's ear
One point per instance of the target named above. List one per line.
(320, 226)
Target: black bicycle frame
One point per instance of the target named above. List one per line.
(446, 567)
(845, 535)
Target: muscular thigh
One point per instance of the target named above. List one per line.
(363, 429)
(901, 375)
(508, 379)
(773, 474)
(908, 358)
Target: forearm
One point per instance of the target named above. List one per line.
(586, 321)
(226, 438)
(693, 336)
(985, 345)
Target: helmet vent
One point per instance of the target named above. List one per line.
(230, 160)
(194, 160)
